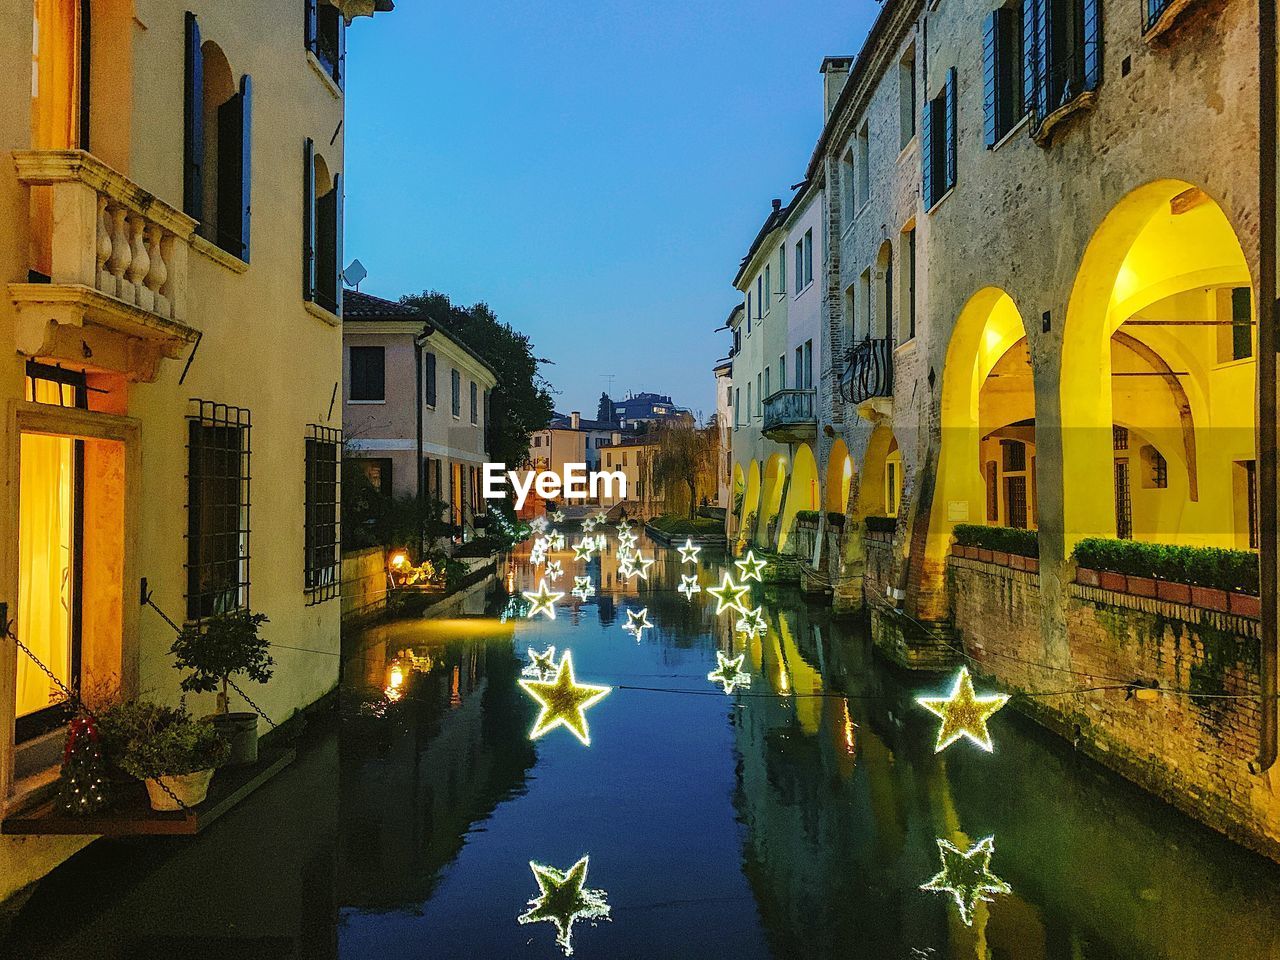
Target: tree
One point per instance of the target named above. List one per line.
(685, 455)
(521, 401)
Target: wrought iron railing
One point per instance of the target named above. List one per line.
(868, 371)
(789, 408)
(1152, 11)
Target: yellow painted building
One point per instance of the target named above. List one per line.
(171, 245)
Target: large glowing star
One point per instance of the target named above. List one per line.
(689, 552)
(542, 600)
(750, 567)
(967, 876)
(564, 701)
(541, 665)
(640, 566)
(689, 585)
(583, 588)
(729, 673)
(752, 623)
(563, 897)
(637, 623)
(729, 595)
(583, 549)
(963, 713)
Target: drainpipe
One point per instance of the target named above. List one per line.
(1267, 310)
(419, 343)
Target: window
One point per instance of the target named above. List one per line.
(887, 291)
(748, 314)
(737, 407)
(429, 378)
(608, 459)
(1246, 491)
(768, 288)
(475, 404)
(217, 509)
(782, 269)
(759, 396)
(767, 392)
(624, 458)
(800, 367)
(1062, 43)
(1002, 70)
(799, 266)
(782, 372)
(864, 303)
(750, 408)
(1155, 469)
(848, 188)
(217, 144)
(456, 405)
(909, 280)
(808, 256)
(326, 37)
(907, 99)
(321, 555)
(367, 374)
(321, 232)
(808, 365)
(938, 159)
(759, 296)
(1235, 341)
(863, 173)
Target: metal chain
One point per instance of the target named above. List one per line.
(243, 696)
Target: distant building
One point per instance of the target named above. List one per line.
(723, 427)
(632, 454)
(648, 408)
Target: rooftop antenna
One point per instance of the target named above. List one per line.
(354, 273)
(608, 377)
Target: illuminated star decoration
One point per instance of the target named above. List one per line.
(640, 566)
(729, 673)
(689, 585)
(563, 898)
(583, 588)
(624, 525)
(538, 524)
(752, 623)
(637, 623)
(558, 516)
(541, 665)
(729, 595)
(564, 701)
(602, 517)
(689, 552)
(626, 566)
(589, 524)
(557, 540)
(516, 608)
(583, 549)
(601, 541)
(750, 567)
(627, 539)
(963, 713)
(967, 876)
(554, 571)
(542, 600)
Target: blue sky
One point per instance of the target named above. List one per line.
(593, 170)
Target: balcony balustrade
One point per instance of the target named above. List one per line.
(868, 371)
(789, 416)
(116, 263)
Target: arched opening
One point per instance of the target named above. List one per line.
(839, 478)
(882, 325)
(771, 496)
(803, 491)
(326, 217)
(737, 496)
(986, 463)
(880, 487)
(1157, 381)
(750, 505)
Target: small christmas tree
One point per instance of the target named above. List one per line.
(84, 784)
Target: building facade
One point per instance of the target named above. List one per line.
(415, 406)
(1037, 280)
(165, 343)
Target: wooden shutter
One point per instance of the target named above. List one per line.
(193, 123)
(1043, 59)
(337, 243)
(1030, 59)
(991, 79)
(950, 127)
(234, 147)
(926, 153)
(246, 162)
(340, 68)
(1092, 44)
(308, 220)
(431, 379)
(311, 23)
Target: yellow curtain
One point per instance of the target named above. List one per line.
(45, 528)
(55, 105)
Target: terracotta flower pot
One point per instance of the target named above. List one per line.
(1033, 564)
(1113, 581)
(1173, 592)
(1086, 577)
(1142, 586)
(190, 788)
(1210, 598)
(1000, 557)
(1245, 605)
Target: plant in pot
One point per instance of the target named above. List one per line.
(213, 651)
(173, 754)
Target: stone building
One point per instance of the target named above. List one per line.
(1038, 316)
(172, 250)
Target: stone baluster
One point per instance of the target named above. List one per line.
(156, 276)
(140, 265)
(121, 254)
(102, 279)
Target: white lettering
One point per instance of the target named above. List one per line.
(521, 489)
(577, 483)
(607, 480)
(494, 474)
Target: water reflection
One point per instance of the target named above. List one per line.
(563, 899)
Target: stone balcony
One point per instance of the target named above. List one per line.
(116, 295)
(789, 416)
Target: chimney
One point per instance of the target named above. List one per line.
(777, 204)
(616, 438)
(575, 420)
(835, 72)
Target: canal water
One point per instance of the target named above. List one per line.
(800, 816)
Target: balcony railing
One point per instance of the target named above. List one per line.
(115, 259)
(868, 371)
(789, 415)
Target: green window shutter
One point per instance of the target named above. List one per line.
(1241, 323)
(235, 145)
(926, 152)
(1030, 56)
(1092, 44)
(308, 220)
(337, 243)
(951, 128)
(193, 123)
(990, 79)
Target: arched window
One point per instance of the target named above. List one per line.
(322, 232)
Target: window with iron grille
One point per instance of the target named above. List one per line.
(322, 526)
(993, 492)
(1119, 437)
(1014, 455)
(1124, 501)
(217, 509)
(1015, 496)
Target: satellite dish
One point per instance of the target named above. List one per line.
(354, 273)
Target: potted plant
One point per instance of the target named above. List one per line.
(173, 754)
(215, 650)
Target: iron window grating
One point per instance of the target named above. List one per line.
(1119, 437)
(323, 530)
(218, 498)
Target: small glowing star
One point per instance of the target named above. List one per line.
(541, 665)
(583, 588)
(563, 897)
(729, 673)
(589, 524)
(752, 623)
(558, 516)
(627, 539)
(538, 525)
(564, 701)
(637, 623)
(624, 525)
(729, 596)
(640, 566)
(542, 600)
(963, 713)
(554, 571)
(689, 552)
(750, 567)
(689, 585)
(967, 876)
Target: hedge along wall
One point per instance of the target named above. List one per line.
(1192, 752)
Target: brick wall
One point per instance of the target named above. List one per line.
(1193, 752)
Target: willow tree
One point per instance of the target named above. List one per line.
(685, 459)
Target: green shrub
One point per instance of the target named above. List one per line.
(1022, 543)
(146, 740)
(678, 526)
(836, 519)
(223, 646)
(880, 524)
(1232, 570)
(807, 516)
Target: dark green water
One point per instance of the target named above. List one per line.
(797, 819)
